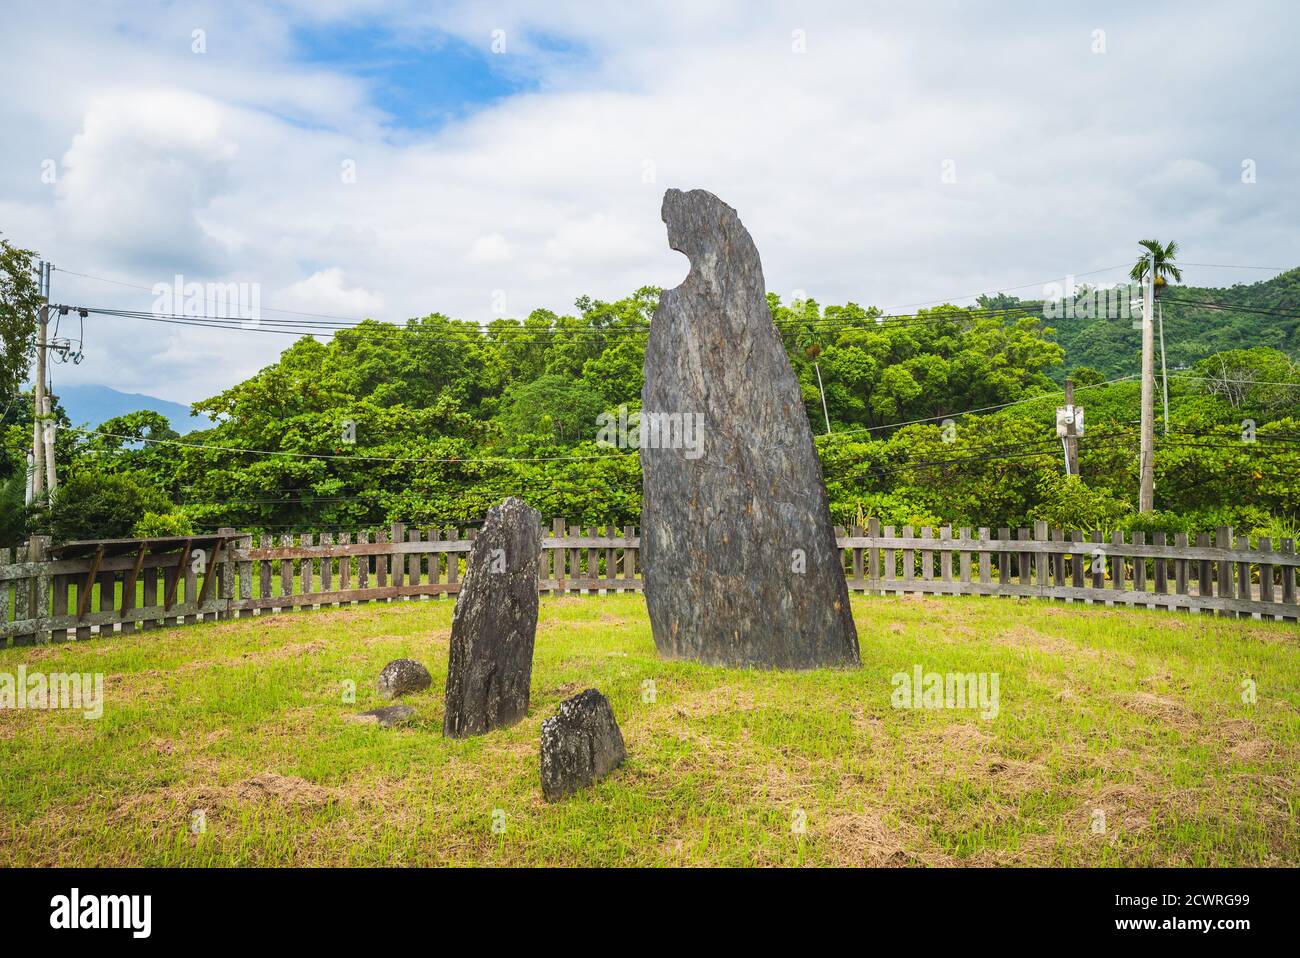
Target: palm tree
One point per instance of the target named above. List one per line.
(1159, 260)
(1165, 268)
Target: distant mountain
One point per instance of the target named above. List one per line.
(95, 404)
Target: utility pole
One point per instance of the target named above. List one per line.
(38, 392)
(820, 389)
(1147, 447)
(1069, 426)
(51, 478)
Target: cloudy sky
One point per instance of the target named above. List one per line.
(390, 159)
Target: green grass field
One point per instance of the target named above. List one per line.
(1137, 714)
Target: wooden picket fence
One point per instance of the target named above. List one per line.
(1223, 575)
(56, 593)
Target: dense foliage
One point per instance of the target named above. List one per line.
(433, 422)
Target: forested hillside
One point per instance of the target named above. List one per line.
(1198, 321)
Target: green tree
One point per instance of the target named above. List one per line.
(92, 504)
(1086, 376)
(19, 301)
(13, 510)
(555, 405)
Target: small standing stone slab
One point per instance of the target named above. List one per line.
(581, 744)
(387, 716)
(402, 676)
(741, 566)
(490, 669)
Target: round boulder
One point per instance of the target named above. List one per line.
(403, 676)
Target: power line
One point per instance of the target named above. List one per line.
(1282, 269)
(951, 299)
(207, 299)
(315, 455)
(1004, 289)
(964, 412)
(1243, 382)
(1236, 307)
(504, 334)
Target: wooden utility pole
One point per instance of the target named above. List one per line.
(1146, 450)
(38, 393)
(1069, 424)
(51, 476)
(822, 390)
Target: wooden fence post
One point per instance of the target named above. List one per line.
(611, 533)
(629, 554)
(245, 577)
(397, 574)
(873, 554)
(6, 558)
(264, 590)
(1287, 548)
(1244, 590)
(413, 561)
(225, 573)
(1043, 560)
(1223, 539)
(32, 595)
(985, 559)
(889, 563)
(558, 556)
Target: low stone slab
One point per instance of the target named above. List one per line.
(581, 744)
(403, 676)
(387, 716)
(490, 666)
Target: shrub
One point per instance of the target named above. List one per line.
(1067, 502)
(157, 524)
(98, 505)
(13, 510)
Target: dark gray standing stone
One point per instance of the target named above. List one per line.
(402, 676)
(741, 567)
(581, 744)
(492, 630)
(387, 716)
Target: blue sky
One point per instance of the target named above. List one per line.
(420, 82)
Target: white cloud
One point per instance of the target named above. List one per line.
(138, 176)
(325, 293)
(231, 162)
(489, 249)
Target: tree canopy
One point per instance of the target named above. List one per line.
(433, 422)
